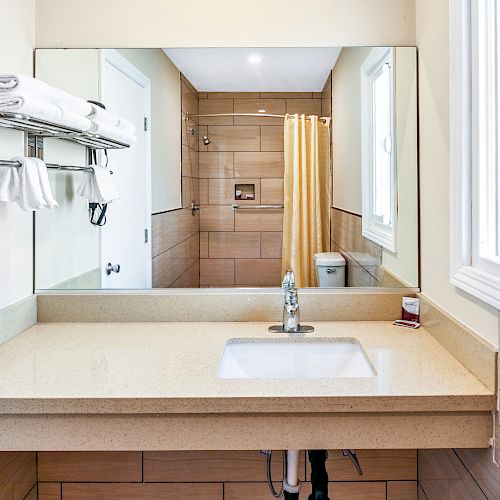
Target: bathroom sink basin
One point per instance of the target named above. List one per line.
(295, 358)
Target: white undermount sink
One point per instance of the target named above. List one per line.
(295, 358)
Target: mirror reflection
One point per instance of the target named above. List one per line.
(232, 166)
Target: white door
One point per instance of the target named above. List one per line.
(125, 238)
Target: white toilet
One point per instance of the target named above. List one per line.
(330, 269)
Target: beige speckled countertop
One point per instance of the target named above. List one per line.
(171, 368)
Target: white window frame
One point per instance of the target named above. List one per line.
(381, 234)
(472, 142)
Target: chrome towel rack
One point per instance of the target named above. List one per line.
(44, 128)
(53, 166)
(253, 207)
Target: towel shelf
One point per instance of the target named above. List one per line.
(52, 166)
(44, 128)
(253, 207)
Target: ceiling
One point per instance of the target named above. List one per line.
(255, 70)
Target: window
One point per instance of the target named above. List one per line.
(378, 151)
(475, 175)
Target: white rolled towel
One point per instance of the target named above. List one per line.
(112, 132)
(101, 116)
(34, 186)
(43, 110)
(97, 186)
(26, 86)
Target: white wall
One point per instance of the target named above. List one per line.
(165, 126)
(346, 129)
(66, 244)
(224, 23)
(16, 254)
(434, 109)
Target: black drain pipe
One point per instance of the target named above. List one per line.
(319, 476)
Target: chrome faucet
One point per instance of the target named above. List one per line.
(291, 310)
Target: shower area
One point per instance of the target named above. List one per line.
(233, 170)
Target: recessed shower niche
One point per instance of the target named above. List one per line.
(244, 191)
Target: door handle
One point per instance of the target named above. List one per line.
(112, 269)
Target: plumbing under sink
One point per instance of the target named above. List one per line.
(295, 358)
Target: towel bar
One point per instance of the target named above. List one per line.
(53, 166)
(253, 207)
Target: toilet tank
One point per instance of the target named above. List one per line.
(330, 269)
(363, 270)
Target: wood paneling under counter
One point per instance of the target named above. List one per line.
(17, 474)
(210, 466)
(142, 491)
(206, 475)
(49, 491)
(81, 466)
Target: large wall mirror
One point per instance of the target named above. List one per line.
(243, 163)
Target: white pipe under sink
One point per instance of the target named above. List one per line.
(292, 478)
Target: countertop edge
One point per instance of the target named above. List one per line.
(254, 405)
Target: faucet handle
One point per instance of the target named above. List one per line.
(288, 280)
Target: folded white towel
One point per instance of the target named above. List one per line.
(97, 186)
(34, 188)
(44, 110)
(100, 115)
(112, 132)
(26, 86)
(126, 126)
(9, 184)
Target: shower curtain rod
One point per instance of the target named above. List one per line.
(265, 115)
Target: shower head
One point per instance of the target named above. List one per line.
(206, 140)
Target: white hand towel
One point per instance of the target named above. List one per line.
(43, 177)
(9, 184)
(97, 186)
(34, 188)
(26, 86)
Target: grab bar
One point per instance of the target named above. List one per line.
(253, 207)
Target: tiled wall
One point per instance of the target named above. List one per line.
(215, 475)
(175, 234)
(243, 248)
(363, 257)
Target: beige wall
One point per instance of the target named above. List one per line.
(347, 168)
(175, 237)
(404, 263)
(16, 241)
(434, 110)
(224, 23)
(165, 126)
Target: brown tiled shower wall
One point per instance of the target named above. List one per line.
(218, 246)
(175, 234)
(243, 248)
